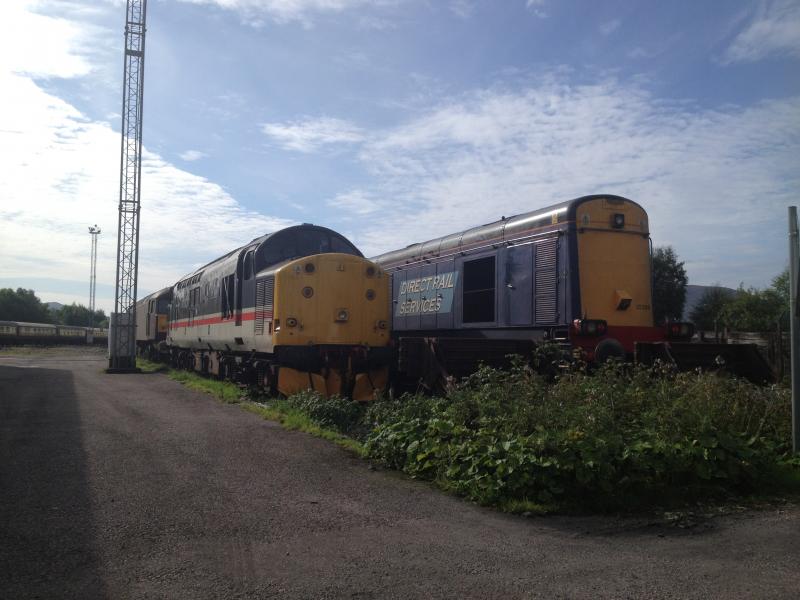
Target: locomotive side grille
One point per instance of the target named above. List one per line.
(265, 290)
(546, 282)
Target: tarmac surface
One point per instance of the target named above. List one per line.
(133, 486)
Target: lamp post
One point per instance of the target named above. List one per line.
(94, 231)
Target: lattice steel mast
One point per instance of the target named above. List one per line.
(94, 232)
(122, 338)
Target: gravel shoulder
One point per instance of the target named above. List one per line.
(133, 486)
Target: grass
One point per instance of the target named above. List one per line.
(273, 409)
(294, 419)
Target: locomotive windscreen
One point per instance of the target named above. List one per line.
(299, 241)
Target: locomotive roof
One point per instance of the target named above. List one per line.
(506, 229)
(265, 240)
(158, 294)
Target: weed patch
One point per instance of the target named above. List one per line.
(290, 416)
(223, 390)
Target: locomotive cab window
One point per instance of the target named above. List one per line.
(248, 265)
(479, 290)
(227, 297)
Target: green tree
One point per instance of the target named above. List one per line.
(752, 309)
(23, 305)
(780, 284)
(669, 285)
(78, 314)
(708, 311)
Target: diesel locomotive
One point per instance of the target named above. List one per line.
(576, 274)
(297, 309)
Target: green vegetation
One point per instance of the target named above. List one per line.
(328, 418)
(622, 438)
(78, 314)
(225, 391)
(24, 306)
(222, 390)
(747, 309)
(669, 285)
(285, 412)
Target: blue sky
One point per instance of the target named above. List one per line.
(394, 121)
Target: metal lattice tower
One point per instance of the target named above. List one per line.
(94, 232)
(122, 338)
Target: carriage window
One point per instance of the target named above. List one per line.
(479, 282)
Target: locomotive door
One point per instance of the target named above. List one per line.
(247, 297)
(518, 284)
(237, 311)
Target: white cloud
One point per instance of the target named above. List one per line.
(286, 11)
(356, 202)
(610, 27)
(536, 7)
(462, 8)
(61, 173)
(773, 31)
(715, 181)
(192, 155)
(44, 46)
(311, 134)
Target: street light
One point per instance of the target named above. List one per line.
(94, 231)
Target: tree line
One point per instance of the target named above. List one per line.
(23, 305)
(743, 309)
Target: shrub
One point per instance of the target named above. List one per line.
(623, 435)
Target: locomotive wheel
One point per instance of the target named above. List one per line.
(607, 349)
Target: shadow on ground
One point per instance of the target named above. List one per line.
(46, 524)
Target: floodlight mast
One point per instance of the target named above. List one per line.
(122, 337)
(94, 232)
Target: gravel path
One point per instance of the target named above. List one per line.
(132, 486)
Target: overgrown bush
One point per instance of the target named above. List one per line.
(622, 436)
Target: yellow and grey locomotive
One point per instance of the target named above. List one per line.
(297, 309)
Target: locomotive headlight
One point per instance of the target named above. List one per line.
(342, 315)
(291, 322)
(308, 291)
(370, 271)
(370, 294)
(310, 268)
(382, 324)
(618, 221)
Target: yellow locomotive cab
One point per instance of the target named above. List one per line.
(338, 304)
(614, 262)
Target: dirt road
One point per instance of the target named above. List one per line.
(132, 486)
